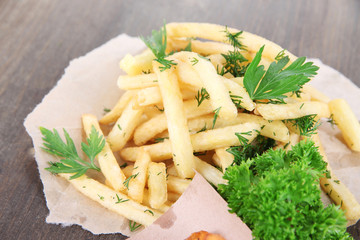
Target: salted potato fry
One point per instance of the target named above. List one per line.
(209, 172)
(293, 140)
(203, 48)
(293, 110)
(157, 184)
(134, 65)
(276, 129)
(113, 200)
(176, 184)
(347, 122)
(224, 158)
(124, 126)
(176, 122)
(151, 96)
(163, 208)
(238, 92)
(158, 124)
(137, 81)
(117, 110)
(315, 94)
(203, 141)
(187, 75)
(137, 184)
(217, 33)
(173, 197)
(212, 82)
(336, 190)
(107, 161)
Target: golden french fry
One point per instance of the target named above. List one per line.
(124, 126)
(239, 93)
(315, 94)
(276, 129)
(113, 200)
(152, 96)
(173, 197)
(224, 158)
(212, 82)
(117, 110)
(137, 184)
(176, 184)
(217, 33)
(163, 208)
(158, 124)
(137, 81)
(134, 65)
(336, 190)
(209, 172)
(107, 161)
(176, 121)
(347, 122)
(157, 184)
(203, 141)
(203, 48)
(293, 110)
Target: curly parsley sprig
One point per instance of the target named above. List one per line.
(71, 162)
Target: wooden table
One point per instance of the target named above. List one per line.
(39, 38)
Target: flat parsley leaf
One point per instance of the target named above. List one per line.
(157, 43)
(71, 162)
(276, 81)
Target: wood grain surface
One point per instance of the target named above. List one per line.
(39, 38)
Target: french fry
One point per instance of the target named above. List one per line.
(238, 92)
(113, 200)
(176, 121)
(163, 208)
(315, 94)
(158, 124)
(203, 48)
(224, 158)
(209, 172)
(157, 184)
(217, 33)
(137, 81)
(293, 140)
(173, 197)
(176, 184)
(124, 126)
(107, 161)
(152, 96)
(293, 110)
(134, 65)
(276, 129)
(137, 184)
(347, 122)
(117, 110)
(336, 190)
(203, 141)
(212, 82)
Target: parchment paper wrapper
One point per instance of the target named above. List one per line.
(89, 84)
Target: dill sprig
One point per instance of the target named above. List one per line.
(201, 96)
(307, 125)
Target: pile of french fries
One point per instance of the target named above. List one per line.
(164, 135)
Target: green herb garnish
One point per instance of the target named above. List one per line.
(71, 162)
(276, 81)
